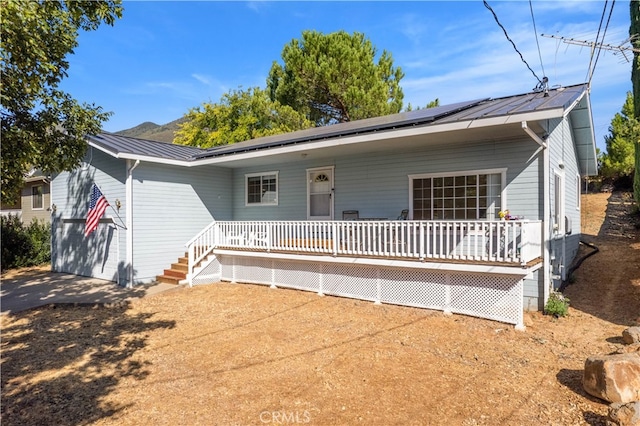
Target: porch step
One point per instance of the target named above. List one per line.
(166, 279)
(182, 267)
(177, 274)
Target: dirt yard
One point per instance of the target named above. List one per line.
(238, 354)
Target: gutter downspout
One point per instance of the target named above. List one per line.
(129, 200)
(546, 210)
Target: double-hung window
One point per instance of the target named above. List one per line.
(261, 189)
(37, 203)
(457, 196)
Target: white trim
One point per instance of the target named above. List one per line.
(129, 206)
(331, 206)
(306, 146)
(41, 197)
(261, 175)
(578, 195)
(558, 202)
(503, 186)
(440, 266)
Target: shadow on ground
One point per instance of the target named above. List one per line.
(57, 367)
(33, 287)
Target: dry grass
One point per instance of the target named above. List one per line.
(241, 354)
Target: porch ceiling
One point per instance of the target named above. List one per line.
(380, 142)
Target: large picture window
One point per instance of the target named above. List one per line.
(468, 196)
(37, 202)
(262, 189)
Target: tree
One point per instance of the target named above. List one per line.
(634, 32)
(434, 103)
(334, 78)
(42, 126)
(240, 116)
(621, 142)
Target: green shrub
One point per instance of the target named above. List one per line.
(557, 305)
(24, 245)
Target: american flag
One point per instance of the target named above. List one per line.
(97, 206)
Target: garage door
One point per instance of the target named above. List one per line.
(93, 256)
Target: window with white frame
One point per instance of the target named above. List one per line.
(36, 197)
(558, 202)
(261, 189)
(578, 191)
(464, 196)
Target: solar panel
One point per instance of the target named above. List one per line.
(402, 119)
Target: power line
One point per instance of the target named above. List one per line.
(604, 10)
(540, 83)
(535, 31)
(613, 2)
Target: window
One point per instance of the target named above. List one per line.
(36, 197)
(262, 189)
(579, 191)
(558, 203)
(457, 197)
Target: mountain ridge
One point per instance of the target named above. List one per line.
(153, 131)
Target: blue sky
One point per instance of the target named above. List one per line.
(165, 57)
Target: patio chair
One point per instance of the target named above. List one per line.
(258, 239)
(236, 239)
(350, 215)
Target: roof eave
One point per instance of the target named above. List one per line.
(145, 158)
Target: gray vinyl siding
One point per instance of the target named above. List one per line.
(97, 255)
(377, 184)
(563, 160)
(170, 206)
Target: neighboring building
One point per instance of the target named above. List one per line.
(35, 198)
(270, 210)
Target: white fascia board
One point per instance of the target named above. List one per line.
(574, 104)
(381, 135)
(145, 158)
(347, 140)
(474, 268)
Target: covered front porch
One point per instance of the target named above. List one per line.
(471, 267)
(505, 242)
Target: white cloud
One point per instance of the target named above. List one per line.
(202, 79)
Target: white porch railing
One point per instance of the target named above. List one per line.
(200, 246)
(514, 242)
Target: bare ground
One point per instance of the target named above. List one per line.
(233, 354)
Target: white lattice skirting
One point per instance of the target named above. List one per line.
(495, 297)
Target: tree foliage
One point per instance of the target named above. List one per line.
(333, 78)
(634, 33)
(432, 104)
(42, 126)
(241, 115)
(623, 137)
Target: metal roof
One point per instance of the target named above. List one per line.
(560, 98)
(118, 145)
(556, 101)
(393, 121)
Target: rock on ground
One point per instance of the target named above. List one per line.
(624, 414)
(614, 378)
(631, 335)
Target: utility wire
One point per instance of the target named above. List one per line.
(512, 43)
(604, 10)
(535, 31)
(604, 33)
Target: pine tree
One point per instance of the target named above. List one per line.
(334, 78)
(634, 33)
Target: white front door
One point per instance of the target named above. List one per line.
(320, 193)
